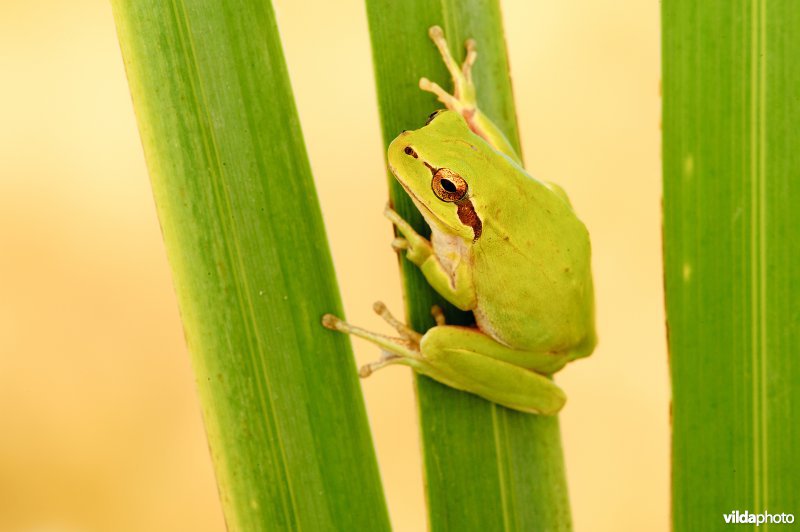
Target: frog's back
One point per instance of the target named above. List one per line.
(540, 250)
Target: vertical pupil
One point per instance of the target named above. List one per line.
(448, 185)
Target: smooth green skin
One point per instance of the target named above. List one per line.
(526, 278)
(525, 274)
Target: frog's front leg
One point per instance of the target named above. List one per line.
(462, 358)
(453, 283)
(463, 99)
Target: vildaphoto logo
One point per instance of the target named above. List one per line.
(737, 517)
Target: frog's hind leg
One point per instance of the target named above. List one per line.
(462, 358)
(468, 360)
(464, 100)
(394, 350)
(404, 350)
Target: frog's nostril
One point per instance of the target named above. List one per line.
(410, 151)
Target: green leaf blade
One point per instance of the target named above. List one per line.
(252, 270)
(486, 467)
(732, 245)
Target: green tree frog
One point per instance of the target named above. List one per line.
(503, 245)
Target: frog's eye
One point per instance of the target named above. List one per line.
(433, 115)
(448, 185)
(410, 151)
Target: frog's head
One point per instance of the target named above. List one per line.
(437, 165)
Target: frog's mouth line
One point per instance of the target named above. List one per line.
(464, 208)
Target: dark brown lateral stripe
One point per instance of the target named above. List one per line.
(468, 216)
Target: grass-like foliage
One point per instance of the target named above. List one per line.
(732, 256)
(252, 271)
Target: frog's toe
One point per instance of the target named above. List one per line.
(386, 359)
(438, 315)
(400, 244)
(329, 321)
(404, 330)
(389, 212)
(450, 101)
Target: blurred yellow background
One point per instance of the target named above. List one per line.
(99, 424)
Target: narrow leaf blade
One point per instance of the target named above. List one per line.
(732, 249)
(252, 270)
(486, 467)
